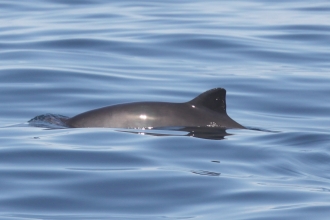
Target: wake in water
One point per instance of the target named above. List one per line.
(49, 121)
(55, 121)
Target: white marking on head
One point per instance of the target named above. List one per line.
(193, 106)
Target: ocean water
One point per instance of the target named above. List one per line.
(67, 57)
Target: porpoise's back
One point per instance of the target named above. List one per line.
(206, 110)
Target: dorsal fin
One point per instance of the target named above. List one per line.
(214, 99)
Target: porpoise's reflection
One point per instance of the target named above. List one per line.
(197, 132)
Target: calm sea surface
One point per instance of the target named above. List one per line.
(67, 57)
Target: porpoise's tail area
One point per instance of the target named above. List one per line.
(52, 121)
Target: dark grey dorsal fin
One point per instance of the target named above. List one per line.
(214, 99)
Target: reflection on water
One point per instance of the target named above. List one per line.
(53, 121)
(197, 132)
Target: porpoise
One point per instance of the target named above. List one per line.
(206, 110)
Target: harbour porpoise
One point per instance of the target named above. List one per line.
(206, 110)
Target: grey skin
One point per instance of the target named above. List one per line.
(206, 110)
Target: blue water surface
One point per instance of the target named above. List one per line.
(67, 57)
